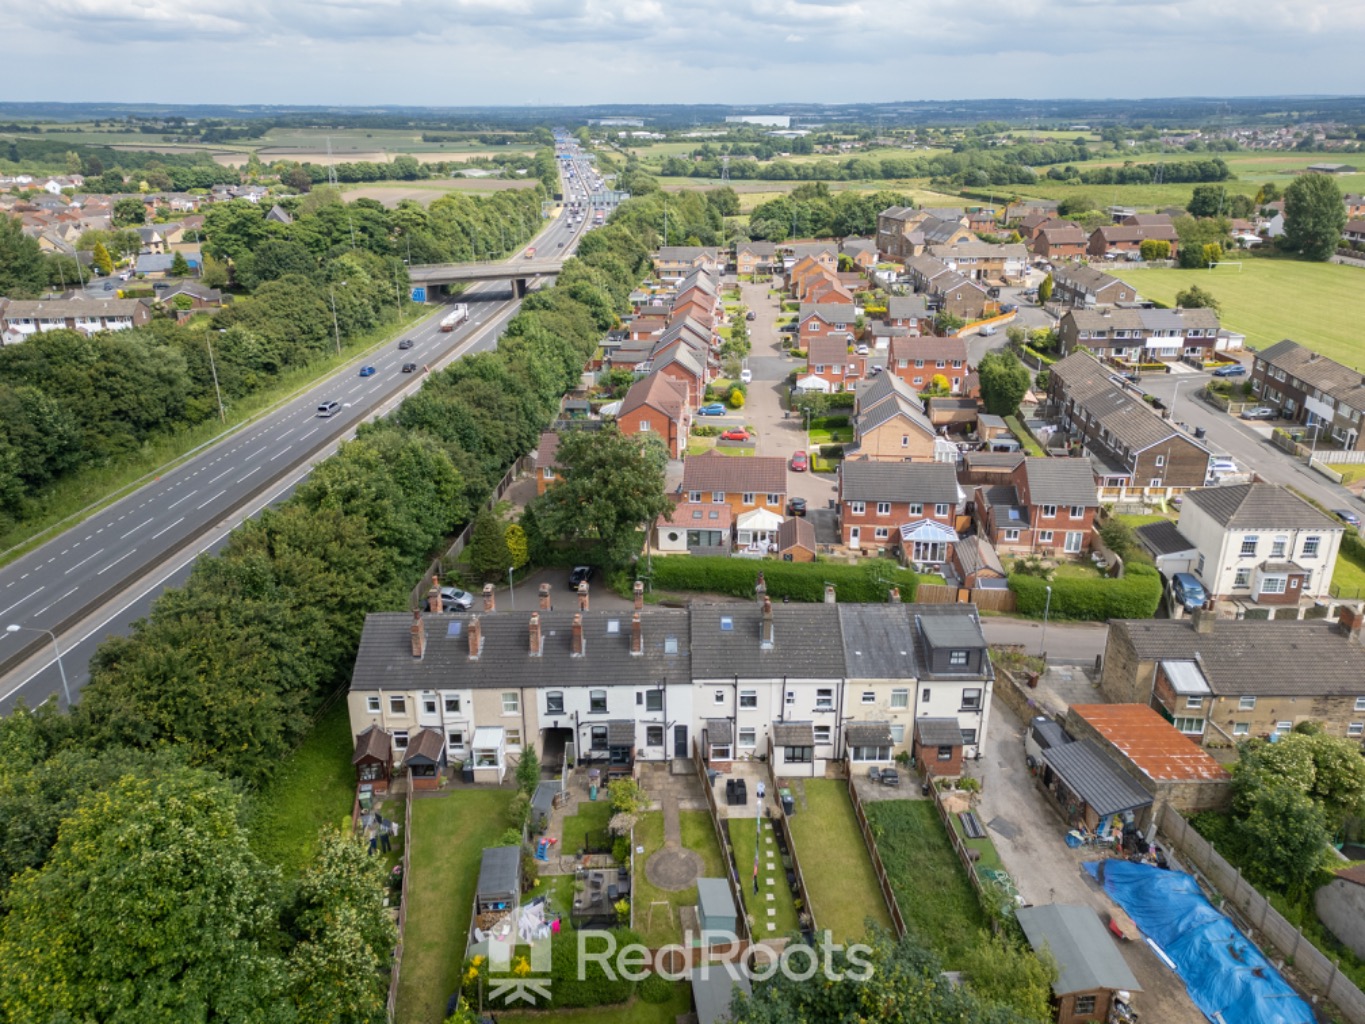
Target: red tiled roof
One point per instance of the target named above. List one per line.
(711, 471)
(658, 391)
(685, 515)
(1153, 744)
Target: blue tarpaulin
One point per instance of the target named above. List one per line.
(1225, 974)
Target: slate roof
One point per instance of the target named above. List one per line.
(793, 734)
(805, 641)
(719, 730)
(829, 312)
(1157, 748)
(1163, 537)
(977, 554)
(621, 732)
(1087, 958)
(938, 732)
(1132, 422)
(905, 307)
(955, 631)
(1095, 779)
(711, 471)
(870, 734)
(1250, 658)
(686, 253)
(1259, 506)
(1124, 319)
(760, 249)
(1327, 375)
(927, 483)
(877, 641)
(1061, 482)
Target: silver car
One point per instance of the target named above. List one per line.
(1259, 412)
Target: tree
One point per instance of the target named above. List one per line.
(1045, 290)
(487, 554)
(1075, 204)
(528, 770)
(736, 397)
(611, 488)
(21, 262)
(1268, 193)
(517, 547)
(946, 323)
(1155, 249)
(129, 212)
(1241, 207)
(102, 260)
(1314, 216)
(214, 273)
(1004, 971)
(1210, 254)
(938, 385)
(1195, 297)
(1004, 381)
(1207, 201)
(1284, 837)
(180, 266)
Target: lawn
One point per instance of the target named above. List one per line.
(938, 902)
(1350, 471)
(1023, 436)
(839, 876)
(1348, 576)
(697, 834)
(449, 834)
(773, 892)
(637, 1011)
(1319, 305)
(314, 786)
(836, 435)
(592, 816)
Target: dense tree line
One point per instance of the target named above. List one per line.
(1130, 173)
(179, 171)
(813, 211)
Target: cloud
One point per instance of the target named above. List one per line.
(792, 37)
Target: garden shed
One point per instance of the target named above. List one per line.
(1090, 968)
(373, 759)
(938, 746)
(425, 758)
(713, 987)
(1089, 787)
(499, 879)
(542, 804)
(716, 911)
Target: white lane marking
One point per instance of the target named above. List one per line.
(286, 433)
(116, 561)
(249, 472)
(224, 473)
(165, 528)
(282, 451)
(258, 451)
(216, 496)
(186, 497)
(21, 600)
(83, 561)
(134, 530)
(356, 388)
(310, 433)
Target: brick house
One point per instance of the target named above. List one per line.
(825, 288)
(1048, 507)
(1122, 239)
(1140, 335)
(673, 262)
(1083, 287)
(823, 253)
(903, 232)
(889, 422)
(1060, 240)
(1221, 681)
(984, 261)
(685, 367)
(918, 360)
(547, 469)
(755, 257)
(658, 404)
(89, 316)
(824, 320)
(1309, 388)
(862, 251)
(695, 528)
(962, 297)
(882, 502)
(908, 311)
(744, 485)
(830, 359)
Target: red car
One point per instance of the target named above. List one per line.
(800, 463)
(735, 434)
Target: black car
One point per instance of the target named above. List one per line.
(405, 344)
(789, 328)
(796, 506)
(409, 367)
(580, 574)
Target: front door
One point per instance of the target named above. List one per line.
(680, 741)
(855, 536)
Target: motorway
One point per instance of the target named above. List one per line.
(98, 577)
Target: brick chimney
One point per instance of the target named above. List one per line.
(637, 640)
(1349, 621)
(639, 594)
(578, 649)
(535, 635)
(475, 638)
(434, 596)
(1203, 619)
(893, 596)
(765, 633)
(760, 585)
(419, 635)
(545, 603)
(489, 604)
(583, 596)
(829, 593)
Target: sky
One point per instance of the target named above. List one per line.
(547, 52)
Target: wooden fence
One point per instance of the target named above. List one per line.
(781, 824)
(963, 854)
(883, 882)
(992, 599)
(726, 852)
(392, 1007)
(1258, 916)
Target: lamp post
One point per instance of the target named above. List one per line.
(511, 591)
(336, 324)
(222, 415)
(66, 690)
(1047, 607)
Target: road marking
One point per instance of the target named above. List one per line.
(240, 479)
(286, 433)
(165, 528)
(134, 530)
(258, 451)
(187, 497)
(115, 562)
(356, 388)
(310, 433)
(282, 451)
(218, 495)
(21, 600)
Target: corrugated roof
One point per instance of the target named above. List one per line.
(1259, 507)
(1087, 956)
(1158, 749)
(922, 482)
(1095, 779)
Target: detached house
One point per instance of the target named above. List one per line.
(911, 506)
(827, 320)
(755, 258)
(830, 360)
(889, 422)
(754, 489)
(1140, 335)
(658, 404)
(1060, 240)
(918, 360)
(1309, 388)
(1048, 507)
(673, 262)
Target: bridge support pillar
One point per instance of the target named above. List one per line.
(519, 287)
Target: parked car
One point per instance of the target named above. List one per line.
(988, 330)
(1259, 412)
(750, 315)
(409, 367)
(796, 506)
(789, 328)
(405, 344)
(454, 597)
(1235, 370)
(746, 375)
(1346, 516)
(712, 409)
(1188, 591)
(800, 463)
(1009, 307)
(862, 350)
(108, 286)
(735, 434)
(580, 574)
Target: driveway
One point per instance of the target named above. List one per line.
(1028, 833)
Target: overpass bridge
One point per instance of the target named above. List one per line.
(517, 271)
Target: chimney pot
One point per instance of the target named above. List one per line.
(475, 638)
(578, 649)
(434, 602)
(535, 634)
(894, 596)
(489, 604)
(829, 593)
(639, 594)
(583, 596)
(1349, 620)
(546, 604)
(637, 640)
(419, 635)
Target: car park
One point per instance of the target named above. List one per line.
(367, 371)
(409, 367)
(580, 574)
(1188, 591)
(735, 434)
(405, 344)
(712, 409)
(800, 463)
(1346, 516)
(1235, 370)
(796, 506)
(1259, 412)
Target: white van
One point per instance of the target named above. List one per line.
(328, 409)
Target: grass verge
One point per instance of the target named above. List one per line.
(839, 875)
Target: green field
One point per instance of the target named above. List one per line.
(1320, 305)
(838, 871)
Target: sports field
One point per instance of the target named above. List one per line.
(1320, 305)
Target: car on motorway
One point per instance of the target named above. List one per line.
(1188, 591)
(405, 344)
(800, 463)
(409, 367)
(746, 375)
(712, 409)
(367, 371)
(735, 434)
(454, 597)
(1346, 516)
(1259, 412)
(1234, 370)
(796, 506)
(580, 574)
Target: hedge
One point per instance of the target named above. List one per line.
(1134, 596)
(867, 582)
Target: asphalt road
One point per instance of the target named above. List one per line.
(100, 576)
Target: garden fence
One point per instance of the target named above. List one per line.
(883, 882)
(992, 598)
(727, 854)
(780, 822)
(392, 1007)
(1258, 916)
(962, 850)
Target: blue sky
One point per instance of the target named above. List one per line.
(493, 52)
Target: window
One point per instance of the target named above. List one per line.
(1049, 511)
(1077, 511)
(654, 735)
(1278, 546)
(856, 508)
(824, 700)
(1355, 729)
(717, 497)
(1011, 534)
(748, 698)
(1360, 703)
(1242, 578)
(372, 705)
(971, 700)
(398, 706)
(748, 736)
(597, 738)
(1246, 704)
(428, 705)
(881, 533)
(883, 508)
(719, 697)
(455, 739)
(1083, 1005)
(1248, 547)
(900, 698)
(916, 509)
(968, 736)
(869, 697)
(797, 755)
(513, 738)
(1160, 461)
(748, 497)
(945, 753)
(1044, 536)
(511, 703)
(1241, 728)
(1190, 726)
(1310, 546)
(554, 702)
(898, 734)
(654, 700)
(694, 497)
(822, 734)
(1194, 703)
(1273, 584)
(1283, 727)
(957, 658)
(452, 705)
(924, 697)
(774, 499)
(597, 702)
(1199, 569)
(400, 739)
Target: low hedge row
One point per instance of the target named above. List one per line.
(869, 581)
(1135, 596)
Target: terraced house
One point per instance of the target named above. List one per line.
(1140, 335)
(1311, 389)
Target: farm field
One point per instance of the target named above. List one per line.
(753, 193)
(1319, 305)
(391, 193)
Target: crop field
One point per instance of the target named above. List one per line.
(391, 193)
(1320, 305)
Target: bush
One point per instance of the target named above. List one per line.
(620, 849)
(1135, 596)
(736, 398)
(656, 989)
(868, 582)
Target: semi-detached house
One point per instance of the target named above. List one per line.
(900, 506)
(1309, 388)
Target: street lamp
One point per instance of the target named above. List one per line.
(66, 690)
(222, 414)
(511, 591)
(336, 325)
(1047, 607)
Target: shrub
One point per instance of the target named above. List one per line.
(866, 582)
(736, 398)
(1135, 596)
(621, 849)
(656, 989)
